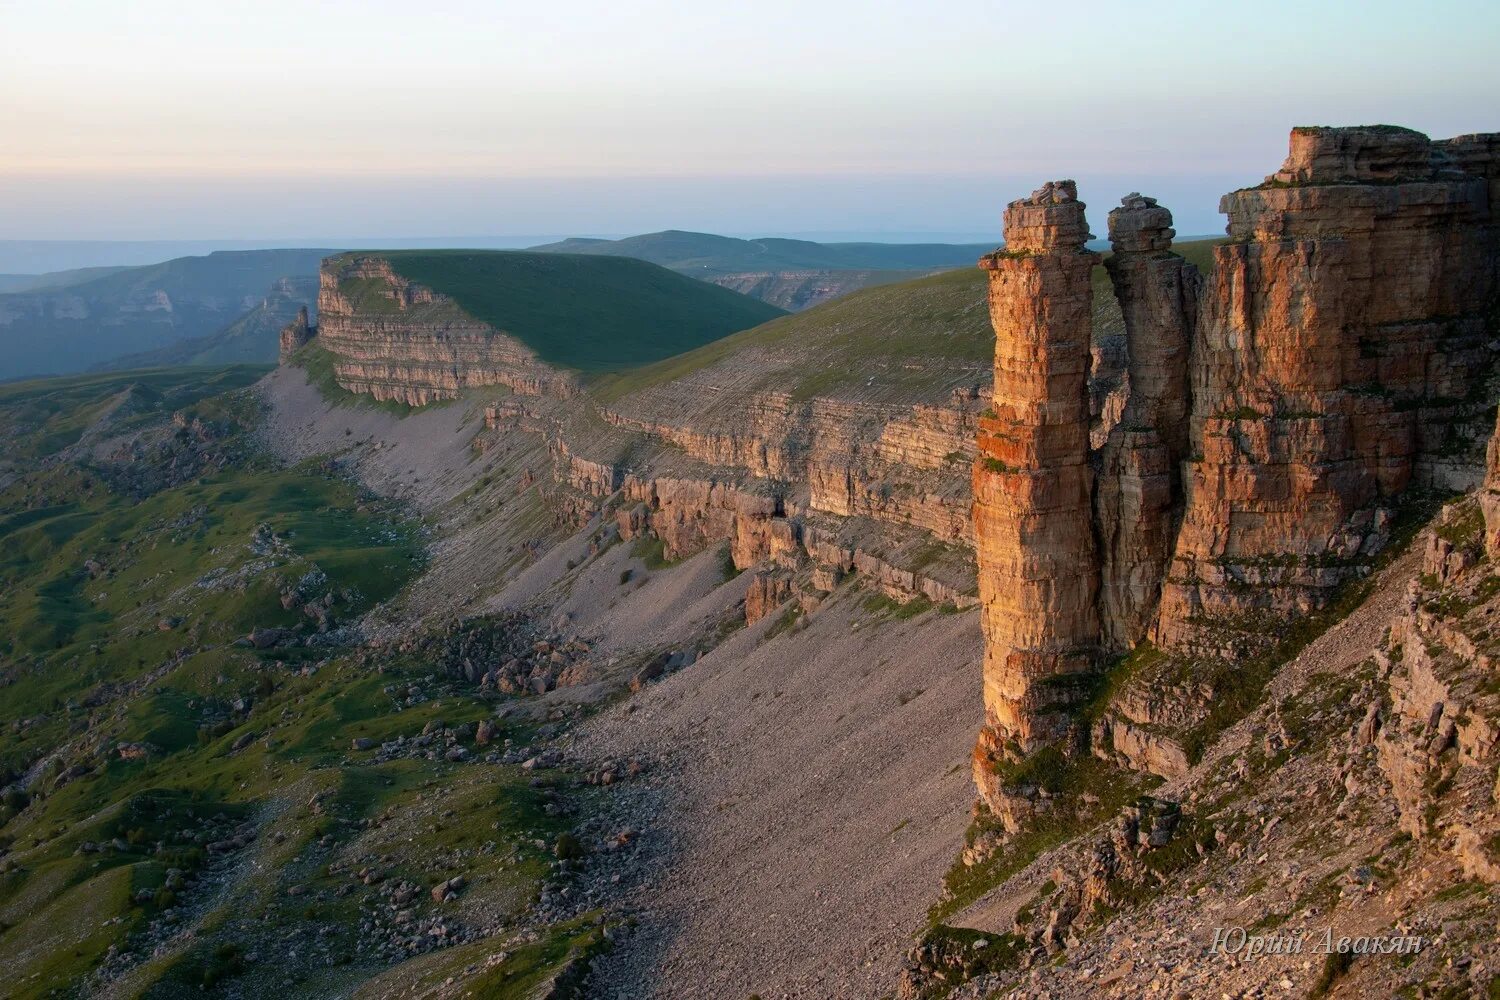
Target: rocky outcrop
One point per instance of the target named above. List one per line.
(1275, 412)
(1033, 485)
(1140, 488)
(296, 334)
(768, 591)
(1489, 495)
(1339, 358)
(396, 340)
(1439, 744)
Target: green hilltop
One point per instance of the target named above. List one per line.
(927, 334)
(592, 314)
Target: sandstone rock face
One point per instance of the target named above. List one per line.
(1340, 354)
(1139, 487)
(850, 454)
(1033, 486)
(1274, 413)
(395, 340)
(1489, 495)
(768, 591)
(296, 334)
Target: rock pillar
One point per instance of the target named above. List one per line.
(1038, 567)
(1139, 483)
(295, 334)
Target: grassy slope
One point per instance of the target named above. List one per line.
(593, 314)
(40, 417)
(235, 734)
(882, 328)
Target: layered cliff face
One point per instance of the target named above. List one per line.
(1340, 358)
(1275, 412)
(796, 290)
(1033, 486)
(396, 340)
(755, 449)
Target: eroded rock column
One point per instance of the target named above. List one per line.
(1038, 568)
(1139, 483)
(296, 334)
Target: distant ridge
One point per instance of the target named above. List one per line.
(688, 251)
(71, 325)
(789, 273)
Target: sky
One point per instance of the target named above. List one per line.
(226, 119)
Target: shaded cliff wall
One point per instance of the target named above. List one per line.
(1139, 487)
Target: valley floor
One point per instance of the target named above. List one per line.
(807, 787)
(812, 793)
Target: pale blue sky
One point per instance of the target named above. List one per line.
(154, 119)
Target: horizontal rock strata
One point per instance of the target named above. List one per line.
(1038, 566)
(1340, 356)
(395, 340)
(1275, 413)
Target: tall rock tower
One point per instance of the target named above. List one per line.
(1038, 564)
(1140, 485)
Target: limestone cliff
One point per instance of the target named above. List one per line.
(1275, 413)
(396, 340)
(1340, 358)
(1039, 569)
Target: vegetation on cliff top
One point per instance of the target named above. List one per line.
(593, 314)
(926, 335)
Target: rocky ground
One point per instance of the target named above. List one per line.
(1338, 809)
(806, 797)
(795, 866)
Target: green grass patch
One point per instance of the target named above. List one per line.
(593, 314)
(319, 366)
(652, 551)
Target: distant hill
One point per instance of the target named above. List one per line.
(77, 325)
(592, 314)
(251, 339)
(53, 279)
(687, 252)
(792, 274)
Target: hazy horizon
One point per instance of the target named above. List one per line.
(268, 121)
